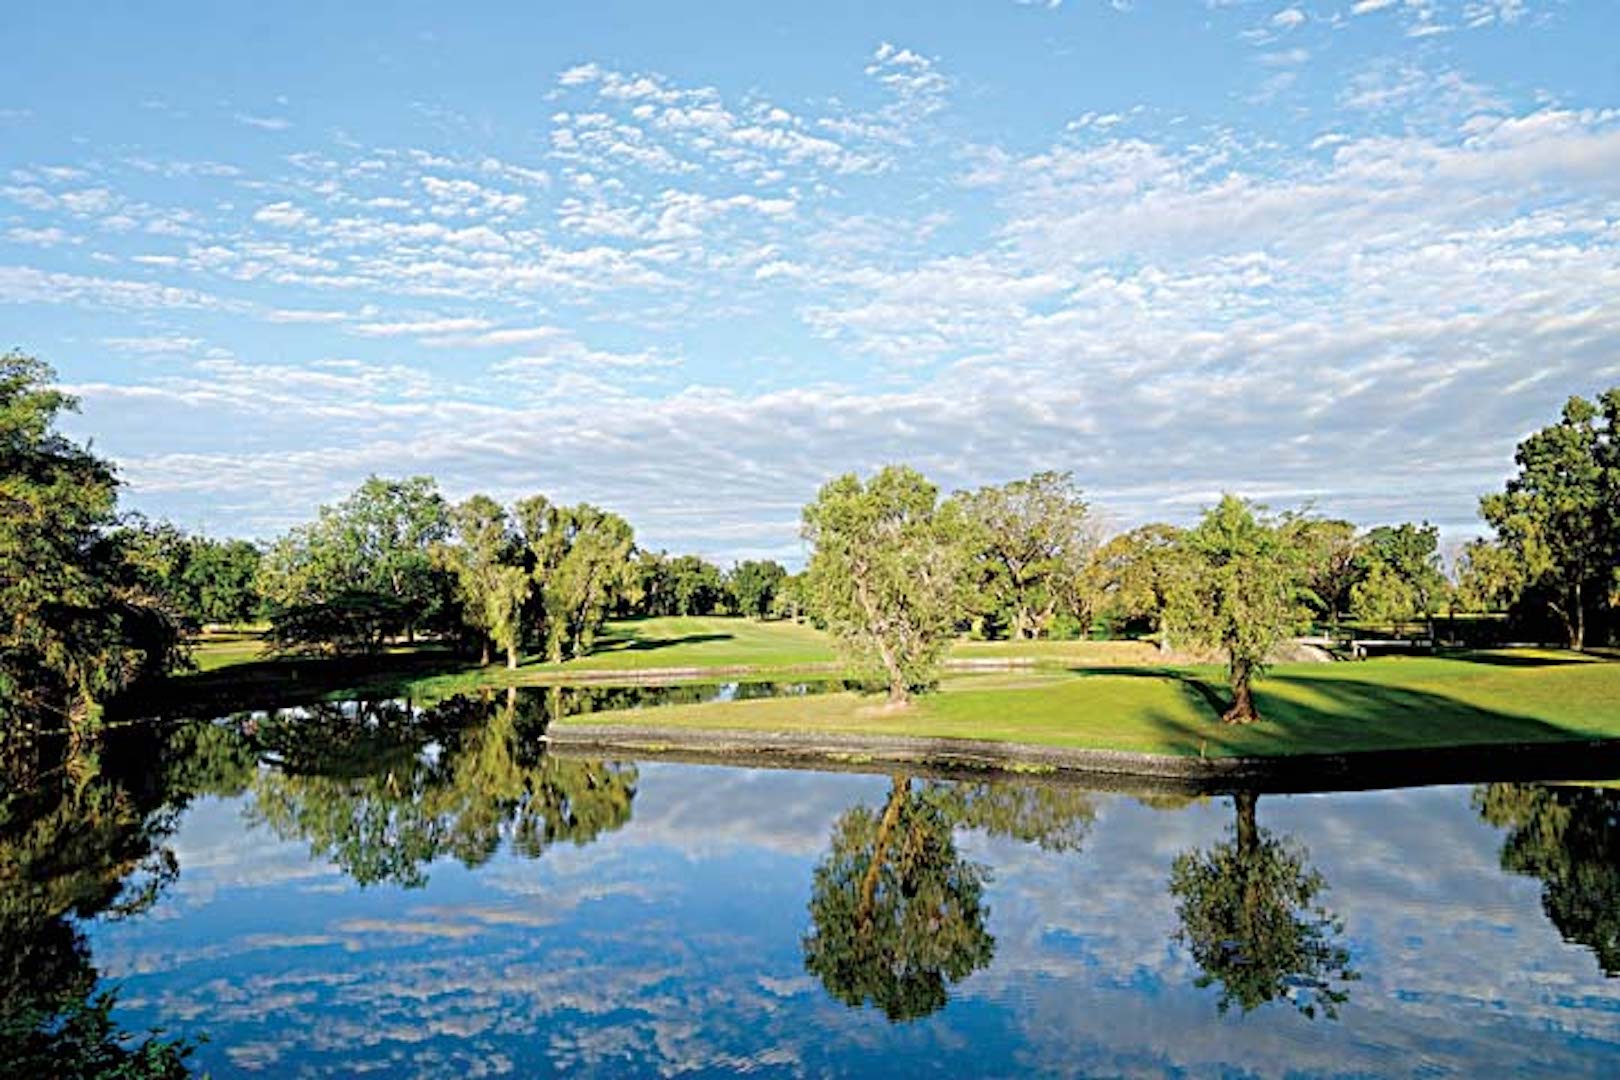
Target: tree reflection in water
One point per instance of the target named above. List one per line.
(897, 913)
(75, 844)
(1569, 838)
(383, 790)
(1249, 916)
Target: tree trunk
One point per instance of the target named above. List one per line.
(1242, 710)
(483, 655)
(1248, 829)
(899, 787)
(1577, 627)
(511, 658)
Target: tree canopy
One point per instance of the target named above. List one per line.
(1028, 543)
(76, 624)
(1243, 593)
(886, 575)
(1560, 513)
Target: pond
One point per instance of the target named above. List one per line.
(380, 887)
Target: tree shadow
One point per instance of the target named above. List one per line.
(651, 644)
(1334, 730)
(1503, 658)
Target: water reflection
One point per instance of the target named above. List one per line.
(360, 885)
(898, 913)
(382, 791)
(1569, 837)
(1250, 918)
(75, 845)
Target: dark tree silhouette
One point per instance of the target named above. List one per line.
(1248, 914)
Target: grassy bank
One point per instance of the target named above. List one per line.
(1106, 695)
(234, 666)
(1385, 704)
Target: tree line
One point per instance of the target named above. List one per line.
(94, 601)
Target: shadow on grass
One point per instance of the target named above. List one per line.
(1312, 714)
(650, 644)
(1505, 658)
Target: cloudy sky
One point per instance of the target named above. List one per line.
(689, 261)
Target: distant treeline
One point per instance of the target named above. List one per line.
(93, 601)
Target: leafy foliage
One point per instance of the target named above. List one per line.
(76, 627)
(1560, 513)
(886, 575)
(371, 552)
(1243, 593)
(1029, 542)
(754, 586)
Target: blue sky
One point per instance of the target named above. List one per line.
(688, 262)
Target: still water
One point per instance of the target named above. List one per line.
(377, 887)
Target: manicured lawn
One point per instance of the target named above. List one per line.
(701, 641)
(1380, 704)
(1112, 695)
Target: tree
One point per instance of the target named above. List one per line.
(1134, 575)
(697, 586)
(491, 579)
(76, 628)
(582, 564)
(1406, 558)
(1560, 513)
(1569, 838)
(1489, 577)
(1383, 597)
(218, 580)
(372, 551)
(885, 575)
(897, 913)
(1030, 541)
(196, 579)
(1243, 594)
(1249, 915)
(1332, 556)
(753, 586)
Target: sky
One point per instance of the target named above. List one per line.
(688, 262)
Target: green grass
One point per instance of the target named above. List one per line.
(700, 642)
(1392, 703)
(1109, 695)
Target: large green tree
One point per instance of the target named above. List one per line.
(363, 567)
(76, 627)
(1560, 512)
(1401, 576)
(753, 586)
(1133, 576)
(1029, 541)
(885, 575)
(492, 580)
(582, 561)
(1331, 550)
(1243, 593)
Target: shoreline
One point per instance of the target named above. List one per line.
(1567, 760)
